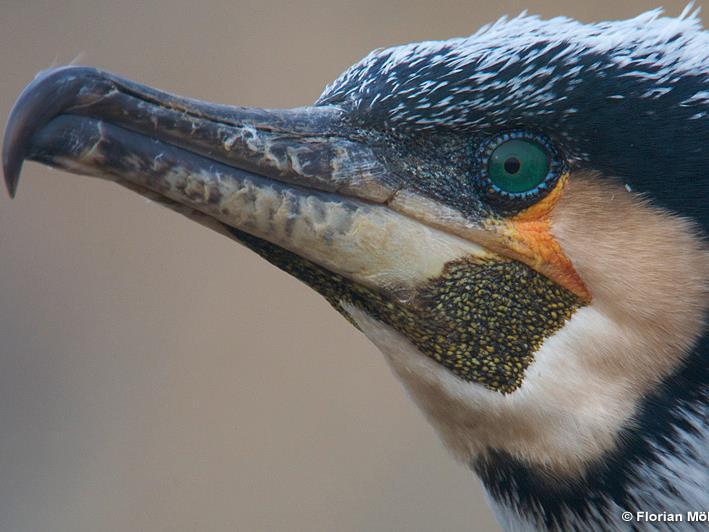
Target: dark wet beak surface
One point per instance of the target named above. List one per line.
(303, 179)
(306, 146)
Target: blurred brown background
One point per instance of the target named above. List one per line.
(154, 375)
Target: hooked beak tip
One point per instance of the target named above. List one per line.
(12, 156)
(12, 167)
(50, 93)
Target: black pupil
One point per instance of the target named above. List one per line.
(512, 165)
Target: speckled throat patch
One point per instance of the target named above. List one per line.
(481, 320)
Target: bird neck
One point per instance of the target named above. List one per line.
(660, 465)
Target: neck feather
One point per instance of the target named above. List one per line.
(662, 465)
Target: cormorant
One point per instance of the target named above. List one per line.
(517, 219)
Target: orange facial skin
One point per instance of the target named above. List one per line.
(527, 237)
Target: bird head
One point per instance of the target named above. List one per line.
(515, 218)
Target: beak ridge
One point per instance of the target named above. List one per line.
(305, 146)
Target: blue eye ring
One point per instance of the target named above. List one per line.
(491, 190)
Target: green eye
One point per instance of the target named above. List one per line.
(518, 165)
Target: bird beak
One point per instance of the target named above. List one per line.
(302, 179)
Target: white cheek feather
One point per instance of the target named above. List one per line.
(564, 415)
